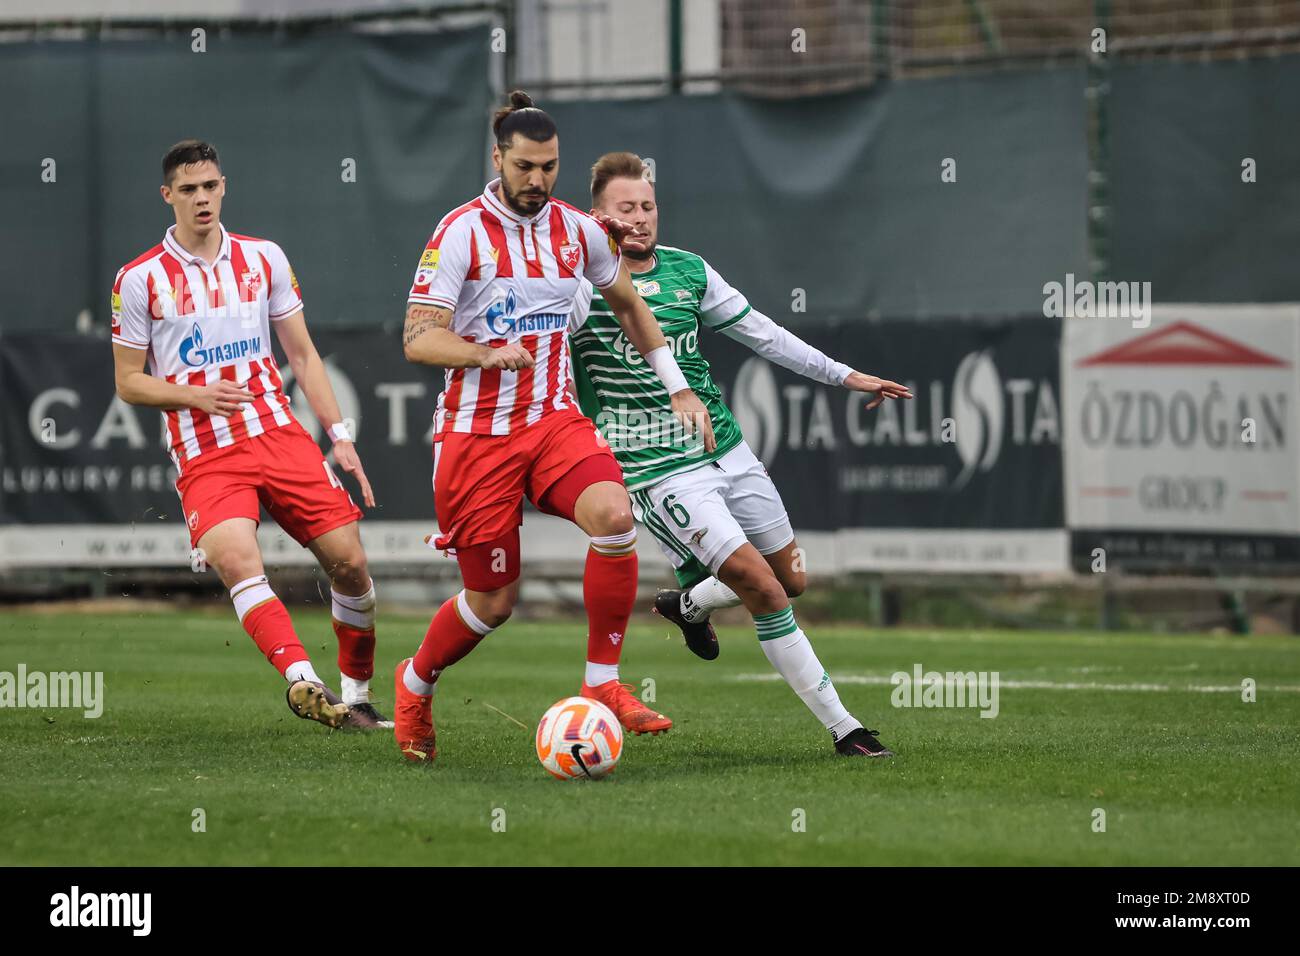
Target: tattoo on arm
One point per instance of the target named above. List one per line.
(420, 319)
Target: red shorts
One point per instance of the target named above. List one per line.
(281, 469)
(479, 481)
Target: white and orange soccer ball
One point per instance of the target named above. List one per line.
(579, 739)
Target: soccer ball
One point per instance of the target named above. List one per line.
(579, 738)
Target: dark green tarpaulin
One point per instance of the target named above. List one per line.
(839, 196)
(285, 112)
(1183, 219)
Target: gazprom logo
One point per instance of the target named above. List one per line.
(501, 318)
(195, 355)
(501, 314)
(192, 344)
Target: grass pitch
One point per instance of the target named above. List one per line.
(1150, 729)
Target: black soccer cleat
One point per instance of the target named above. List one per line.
(862, 743)
(363, 716)
(700, 636)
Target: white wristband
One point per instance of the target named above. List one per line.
(339, 431)
(665, 366)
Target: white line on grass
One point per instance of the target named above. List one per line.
(879, 679)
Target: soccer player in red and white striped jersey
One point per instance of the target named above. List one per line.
(199, 307)
(490, 303)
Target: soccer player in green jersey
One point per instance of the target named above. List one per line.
(716, 515)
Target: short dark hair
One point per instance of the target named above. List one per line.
(186, 153)
(521, 116)
(614, 166)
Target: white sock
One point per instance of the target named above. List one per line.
(250, 593)
(354, 691)
(624, 543)
(413, 682)
(598, 674)
(789, 651)
(844, 727)
(302, 670)
(706, 597)
(354, 610)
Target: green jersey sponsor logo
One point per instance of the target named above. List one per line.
(625, 398)
(685, 343)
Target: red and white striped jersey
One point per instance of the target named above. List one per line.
(509, 278)
(202, 322)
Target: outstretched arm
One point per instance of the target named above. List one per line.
(782, 347)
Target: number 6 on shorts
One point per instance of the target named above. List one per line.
(681, 517)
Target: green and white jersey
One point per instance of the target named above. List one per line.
(622, 394)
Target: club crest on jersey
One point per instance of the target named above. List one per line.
(569, 254)
(252, 281)
(194, 355)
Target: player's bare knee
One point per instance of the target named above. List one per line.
(497, 616)
(493, 608)
(349, 572)
(772, 593)
(794, 584)
(233, 566)
(756, 585)
(763, 597)
(614, 518)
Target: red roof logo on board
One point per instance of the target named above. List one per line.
(1182, 343)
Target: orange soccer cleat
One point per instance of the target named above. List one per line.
(635, 716)
(413, 720)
